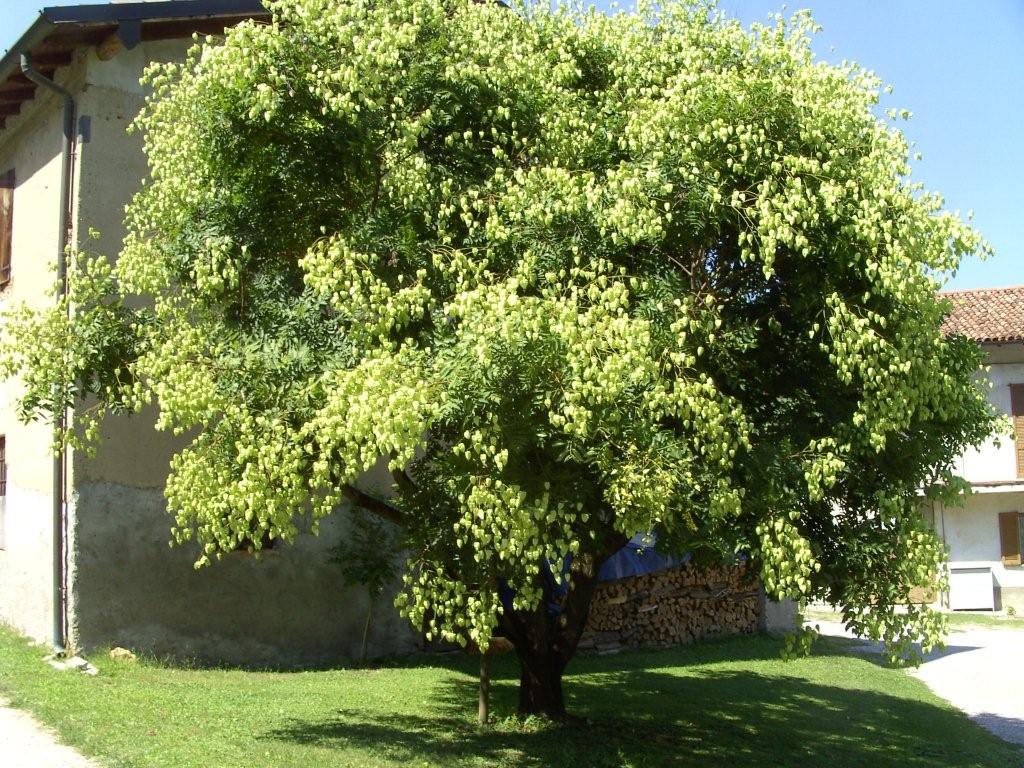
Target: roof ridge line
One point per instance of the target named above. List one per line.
(993, 289)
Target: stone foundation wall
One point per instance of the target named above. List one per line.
(673, 607)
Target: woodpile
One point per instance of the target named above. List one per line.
(922, 595)
(672, 607)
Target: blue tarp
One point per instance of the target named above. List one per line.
(637, 558)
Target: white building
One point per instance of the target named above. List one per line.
(985, 536)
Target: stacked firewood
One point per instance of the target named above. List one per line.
(671, 607)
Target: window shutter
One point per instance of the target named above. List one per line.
(1017, 412)
(6, 224)
(1018, 442)
(1009, 537)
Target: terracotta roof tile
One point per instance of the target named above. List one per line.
(986, 314)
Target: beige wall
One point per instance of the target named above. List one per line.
(128, 587)
(995, 460)
(31, 144)
(971, 532)
(131, 452)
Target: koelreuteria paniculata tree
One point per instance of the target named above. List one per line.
(573, 276)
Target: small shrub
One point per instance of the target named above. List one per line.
(368, 555)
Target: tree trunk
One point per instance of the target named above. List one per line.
(540, 689)
(484, 704)
(545, 638)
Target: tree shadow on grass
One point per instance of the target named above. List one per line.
(639, 714)
(1010, 728)
(873, 651)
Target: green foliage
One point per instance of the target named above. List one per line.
(77, 346)
(573, 275)
(368, 554)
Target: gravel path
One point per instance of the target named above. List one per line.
(979, 672)
(24, 743)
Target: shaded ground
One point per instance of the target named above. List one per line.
(719, 704)
(979, 672)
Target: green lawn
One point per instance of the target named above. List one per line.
(957, 620)
(984, 620)
(726, 703)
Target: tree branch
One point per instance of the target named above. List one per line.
(372, 504)
(404, 482)
(583, 582)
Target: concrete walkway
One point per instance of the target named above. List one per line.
(979, 672)
(24, 743)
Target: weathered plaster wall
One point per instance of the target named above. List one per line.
(972, 531)
(972, 534)
(31, 145)
(289, 606)
(113, 167)
(128, 586)
(778, 616)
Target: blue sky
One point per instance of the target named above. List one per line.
(957, 65)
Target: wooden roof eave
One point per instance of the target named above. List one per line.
(52, 39)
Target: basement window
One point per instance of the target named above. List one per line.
(6, 225)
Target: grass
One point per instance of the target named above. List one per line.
(726, 703)
(985, 620)
(957, 620)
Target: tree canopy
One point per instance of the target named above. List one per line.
(573, 276)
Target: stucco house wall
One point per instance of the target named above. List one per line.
(971, 533)
(971, 529)
(125, 585)
(995, 460)
(30, 145)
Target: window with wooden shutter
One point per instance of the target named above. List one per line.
(1017, 412)
(1011, 528)
(6, 224)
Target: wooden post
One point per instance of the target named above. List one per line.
(110, 47)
